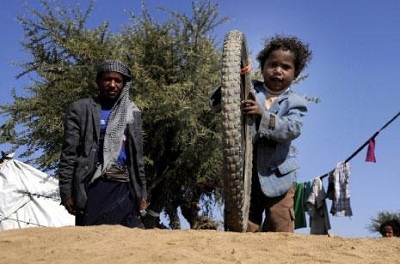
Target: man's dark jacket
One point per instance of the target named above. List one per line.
(80, 150)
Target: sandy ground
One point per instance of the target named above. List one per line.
(117, 244)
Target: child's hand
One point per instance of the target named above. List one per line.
(251, 107)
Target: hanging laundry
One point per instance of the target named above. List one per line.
(317, 209)
(339, 190)
(300, 216)
(371, 151)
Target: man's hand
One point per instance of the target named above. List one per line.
(143, 205)
(69, 205)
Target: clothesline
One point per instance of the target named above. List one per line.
(365, 143)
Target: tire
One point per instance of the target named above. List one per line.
(236, 133)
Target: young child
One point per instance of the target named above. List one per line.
(278, 112)
(390, 228)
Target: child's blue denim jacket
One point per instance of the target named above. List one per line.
(274, 155)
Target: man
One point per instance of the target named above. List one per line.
(101, 170)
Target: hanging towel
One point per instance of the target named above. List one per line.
(339, 190)
(371, 151)
(300, 215)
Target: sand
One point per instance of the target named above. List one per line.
(117, 244)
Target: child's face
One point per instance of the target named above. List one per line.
(279, 70)
(387, 231)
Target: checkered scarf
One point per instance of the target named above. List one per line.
(115, 66)
(117, 119)
(116, 126)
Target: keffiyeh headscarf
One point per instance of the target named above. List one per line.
(114, 66)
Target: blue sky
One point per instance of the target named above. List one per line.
(354, 71)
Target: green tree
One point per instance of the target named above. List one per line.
(380, 218)
(174, 63)
(60, 71)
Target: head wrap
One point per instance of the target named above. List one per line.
(114, 66)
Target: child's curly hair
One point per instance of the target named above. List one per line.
(302, 54)
(394, 224)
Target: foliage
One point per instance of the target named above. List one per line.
(60, 71)
(174, 64)
(380, 219)
(7, 132)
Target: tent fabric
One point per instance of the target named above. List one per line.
(29, 198)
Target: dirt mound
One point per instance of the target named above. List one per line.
(117, 244)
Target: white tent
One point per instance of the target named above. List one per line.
(29, 198)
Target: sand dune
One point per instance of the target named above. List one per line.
(117, 244)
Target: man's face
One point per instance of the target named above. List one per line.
(110, 85)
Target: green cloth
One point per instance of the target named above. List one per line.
(300, 215)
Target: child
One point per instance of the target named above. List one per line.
(278, 112)
(390, 228)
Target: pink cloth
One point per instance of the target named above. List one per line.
(371, 151)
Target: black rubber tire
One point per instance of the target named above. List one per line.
(236, 132)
